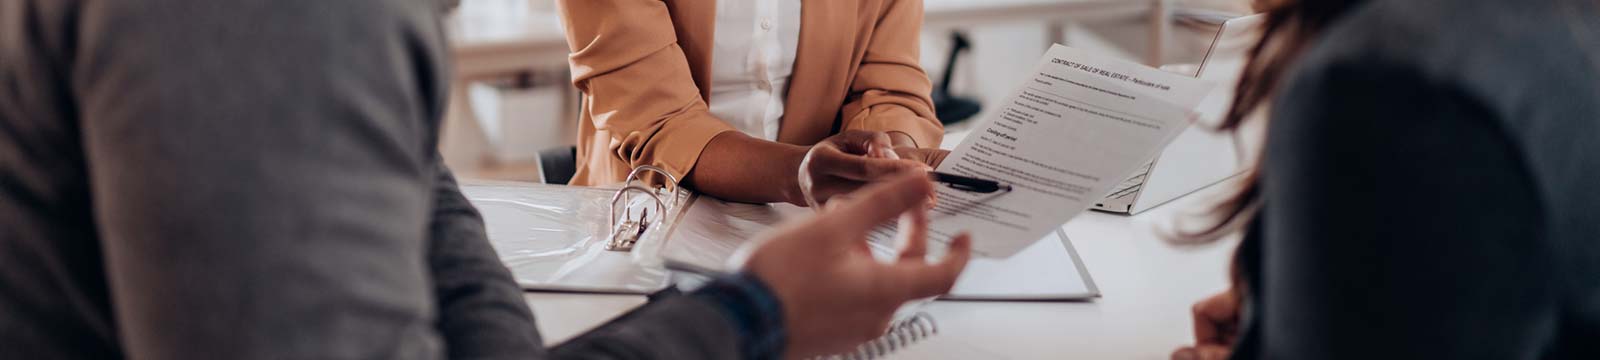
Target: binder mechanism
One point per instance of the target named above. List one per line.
(626, 231)
(582, 239)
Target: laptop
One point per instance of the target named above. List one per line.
(1199, 157)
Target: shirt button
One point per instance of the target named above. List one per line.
(766, 24)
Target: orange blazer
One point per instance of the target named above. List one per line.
(644, 68)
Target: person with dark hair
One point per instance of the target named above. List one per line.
(1428, 187)
(258, 179)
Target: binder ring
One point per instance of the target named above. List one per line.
(671, 179)
(626, 233)
(622, 195)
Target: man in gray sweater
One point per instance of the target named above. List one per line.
(257, 179)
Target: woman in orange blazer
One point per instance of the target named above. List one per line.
(830, 88)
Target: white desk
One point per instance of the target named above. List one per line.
(1147, 284)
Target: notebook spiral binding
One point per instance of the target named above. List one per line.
(901, 334)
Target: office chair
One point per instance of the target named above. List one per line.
(951, 109)
(558, 164)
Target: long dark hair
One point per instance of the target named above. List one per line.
(1288, 30)
(1290, 27)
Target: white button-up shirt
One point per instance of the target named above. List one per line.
(751, 60)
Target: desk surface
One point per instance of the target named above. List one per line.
(1148, 286)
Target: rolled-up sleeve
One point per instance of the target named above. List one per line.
(890, 91)
(640, 94)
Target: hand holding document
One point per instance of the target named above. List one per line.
(1078, 126)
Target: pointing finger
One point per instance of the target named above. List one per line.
(914, 235)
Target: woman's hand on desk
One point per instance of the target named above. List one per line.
(847, 161)
(834, 294)
(906, 148)
(737, 167)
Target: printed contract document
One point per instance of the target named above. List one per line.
(1078, 126)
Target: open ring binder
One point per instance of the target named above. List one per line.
(627, 232)
(677, 191)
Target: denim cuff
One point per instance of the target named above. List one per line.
(755, 311)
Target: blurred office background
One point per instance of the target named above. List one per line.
(512, 98)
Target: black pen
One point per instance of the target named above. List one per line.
(968, 183)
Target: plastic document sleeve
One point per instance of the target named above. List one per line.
(579, 239)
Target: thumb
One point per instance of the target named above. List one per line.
(926, 280)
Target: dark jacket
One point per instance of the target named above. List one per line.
(258, 179)
(1432, 188)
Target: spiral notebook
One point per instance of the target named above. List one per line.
(901, 335)
(912, 337)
